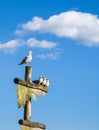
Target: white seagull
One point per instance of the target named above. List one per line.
(41, 79)
(27, 59)
(47, 82)
(44, 81)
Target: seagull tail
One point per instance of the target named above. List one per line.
(20, 64)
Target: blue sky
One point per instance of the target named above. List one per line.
(64, 38)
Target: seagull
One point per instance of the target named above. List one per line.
(47, 82)
(35, 81)
(41, 79)
(27, 59)
(44, 81)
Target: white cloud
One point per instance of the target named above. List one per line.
(11, 46)
(47, 56)
(52, 55)
(79, 26)
(32, 42)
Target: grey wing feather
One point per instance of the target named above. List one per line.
(35, 81)
(24, 60)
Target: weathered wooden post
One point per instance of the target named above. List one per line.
(27, 108)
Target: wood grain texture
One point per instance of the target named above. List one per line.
(32, 124)
(30, 85)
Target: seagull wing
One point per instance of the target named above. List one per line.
(24, 61)
(35, 81)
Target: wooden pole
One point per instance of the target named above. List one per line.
(30, 85)
(32, 124)
(27, 108)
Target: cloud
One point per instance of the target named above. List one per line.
(11, 46)
(34, 43)
(79, 26)
(47, 56)
(51, 55)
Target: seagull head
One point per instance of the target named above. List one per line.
(41, 76)
(48, 80)
(29, 52)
